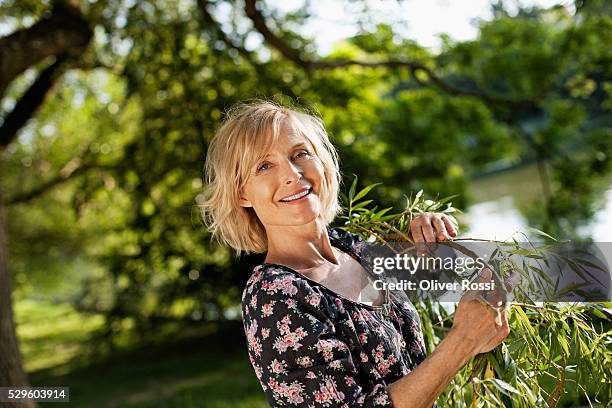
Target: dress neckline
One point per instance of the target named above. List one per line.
(344, 248)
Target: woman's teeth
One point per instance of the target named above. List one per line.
(296, 196)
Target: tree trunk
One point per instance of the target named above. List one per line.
(11, 368)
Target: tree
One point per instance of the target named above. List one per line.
(113, 158)
(64, 33)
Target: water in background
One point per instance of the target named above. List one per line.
(497, 197)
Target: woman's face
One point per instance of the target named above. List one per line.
(283, 188)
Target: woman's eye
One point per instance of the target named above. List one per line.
(263, 166)
(302, 153)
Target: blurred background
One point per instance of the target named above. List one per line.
(110, 284)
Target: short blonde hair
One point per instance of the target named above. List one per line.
(243, 139)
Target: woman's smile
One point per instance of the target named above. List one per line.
(298, 197)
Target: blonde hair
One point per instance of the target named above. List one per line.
(245, 136)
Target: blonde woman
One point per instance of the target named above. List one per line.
(313, 341)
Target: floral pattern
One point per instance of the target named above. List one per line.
(310, 347)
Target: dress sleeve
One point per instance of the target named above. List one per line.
(294, 348)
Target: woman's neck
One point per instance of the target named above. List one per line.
(300, 247)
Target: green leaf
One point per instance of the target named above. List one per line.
(361, 204)
(352, 189)
(365, 191)
(542, 233)
(418, 195)
(504, 387)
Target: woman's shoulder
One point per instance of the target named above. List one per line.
(271, 278)
(275, 283)
(349, 240)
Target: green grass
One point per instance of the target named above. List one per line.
(206, 368)
(51, 335)
(206, 372)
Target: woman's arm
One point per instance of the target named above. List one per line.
(474, 331)
(426, 382)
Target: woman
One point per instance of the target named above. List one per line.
(273, 182)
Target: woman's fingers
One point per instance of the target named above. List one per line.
(440, 228)
(427, 226)
(428, 231)
(417, 233)
(451, 227)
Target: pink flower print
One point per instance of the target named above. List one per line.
(278, 367)
(336, 364)
(325, 347)
(253, 342)
(350, 381)
(287, 286)
(265, 333)
(311, 375)
(383, 364)
(383, 368)
(363, 338)
(267, 310)
(340, 306)
(304, 361)
(322, 397)
(314, 299)
(364, 357)
(258, 371)
(280, 345)
(294, 393)
(254, 302)
(290, 341)
(338, 344)
(381, 399)
(328, 393)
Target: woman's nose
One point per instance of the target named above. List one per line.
(291, 173)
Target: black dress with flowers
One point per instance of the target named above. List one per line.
(312, 347)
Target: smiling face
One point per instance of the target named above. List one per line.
(284, 186)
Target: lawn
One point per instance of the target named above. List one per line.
(210, 370)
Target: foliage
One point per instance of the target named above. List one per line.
(131, 124)
(553, 348)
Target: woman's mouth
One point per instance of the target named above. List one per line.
(297, 197)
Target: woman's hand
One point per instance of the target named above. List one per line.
(429, 226)
(482, 327)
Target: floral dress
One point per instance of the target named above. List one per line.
(312, 347)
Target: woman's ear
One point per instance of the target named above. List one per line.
(243, 202)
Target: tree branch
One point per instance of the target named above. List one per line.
(247, 55)
(76, 166)
(64, 31)
(30, 101)
(210, 20)
(293, 55)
